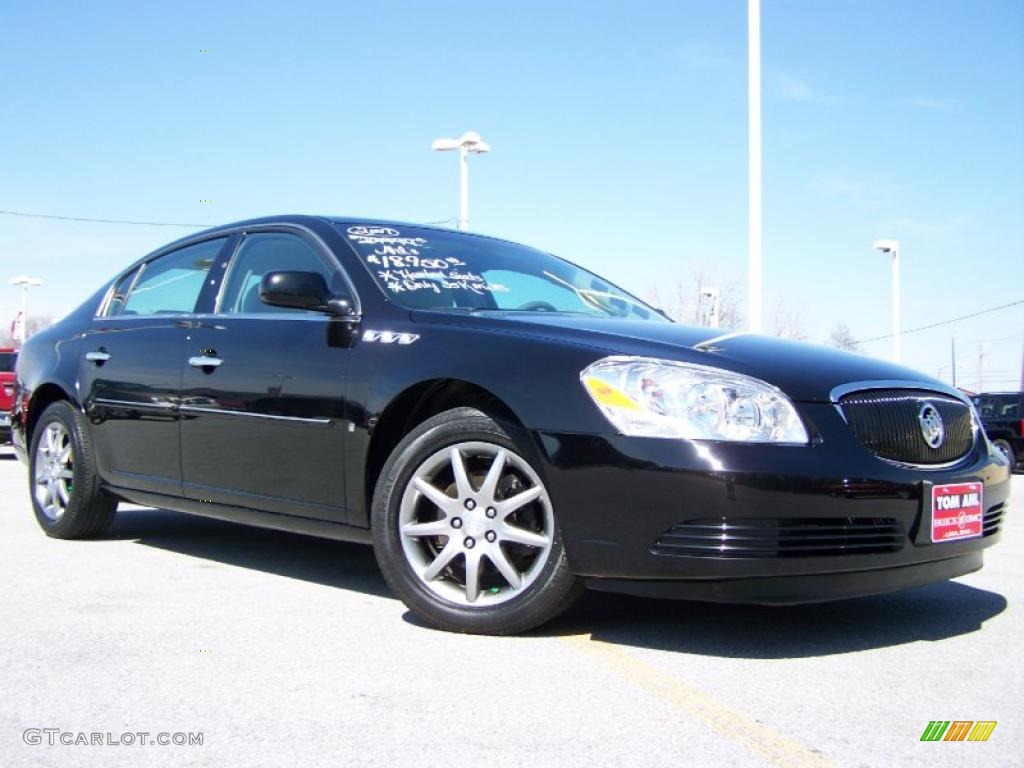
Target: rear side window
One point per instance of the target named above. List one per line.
(121, 293)
(171, 284)
(265, 252)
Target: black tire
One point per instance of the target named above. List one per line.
(89, 509)
(1004, 447)
(553, 588)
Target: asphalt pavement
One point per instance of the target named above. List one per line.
(281, 650)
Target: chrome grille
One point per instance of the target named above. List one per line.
(886, 422)
(773, 537)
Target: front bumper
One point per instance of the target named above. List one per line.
(615, 497)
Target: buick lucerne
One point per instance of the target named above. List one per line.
(503, 426)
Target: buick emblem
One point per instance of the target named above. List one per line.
(932, 429)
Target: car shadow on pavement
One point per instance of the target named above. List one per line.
(934, 612)
(321, 561)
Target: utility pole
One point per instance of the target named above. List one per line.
(981, 367)
(1022, 367)
(952, 343)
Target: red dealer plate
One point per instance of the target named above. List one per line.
(956, 511)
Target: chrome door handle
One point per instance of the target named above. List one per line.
(97, 357)
(205, 362)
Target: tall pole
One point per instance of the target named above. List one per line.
(952, 350)
(981, 367)
(463, 189)
(1022, 368)
(754, 232)
(896, 304)
(24, 314)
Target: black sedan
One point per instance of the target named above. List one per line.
(503, 426)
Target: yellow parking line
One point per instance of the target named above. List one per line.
(733, 725)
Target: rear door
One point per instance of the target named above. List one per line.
(130, 370)
(263, 398)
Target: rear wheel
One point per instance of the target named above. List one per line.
(1004, 447)
(67, 498)
(465, 531)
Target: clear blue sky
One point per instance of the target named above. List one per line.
(618, 129)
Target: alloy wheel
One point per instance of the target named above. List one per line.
(476, 524)
(54, 471)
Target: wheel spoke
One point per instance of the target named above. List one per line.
(508, 506)
(462, 484)
(523, 536)
(441, 561)
(66, 474)
(505, 567)
(65, 455)
(434, 528)
(490, 484)
(472, 576)
(62, 491)
(440, 499)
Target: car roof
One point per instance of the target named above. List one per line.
(307, 219)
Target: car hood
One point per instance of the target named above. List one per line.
(806, 372)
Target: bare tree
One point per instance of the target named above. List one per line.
(680, 297)
(789, 321)
(841, 338)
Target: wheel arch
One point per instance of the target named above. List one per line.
(42, 397)
(412, 407)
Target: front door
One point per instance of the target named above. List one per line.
(263, 395)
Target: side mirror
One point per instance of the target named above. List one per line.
(301, 290)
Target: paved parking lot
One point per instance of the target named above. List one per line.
(285, 650)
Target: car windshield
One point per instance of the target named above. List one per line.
(998, 406)
(7, 361)
(421, 268)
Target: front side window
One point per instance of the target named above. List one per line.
(265, 252)
(430, 269)
(171, 284)
(7, 361)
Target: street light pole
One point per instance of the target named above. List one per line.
(893, 247)
(754, 223)
(469, 142)
(25, 283)
(463, 189)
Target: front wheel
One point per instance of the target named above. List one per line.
(465, 531)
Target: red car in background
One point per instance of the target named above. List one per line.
(8, 357)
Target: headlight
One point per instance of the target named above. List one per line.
(646, 397)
